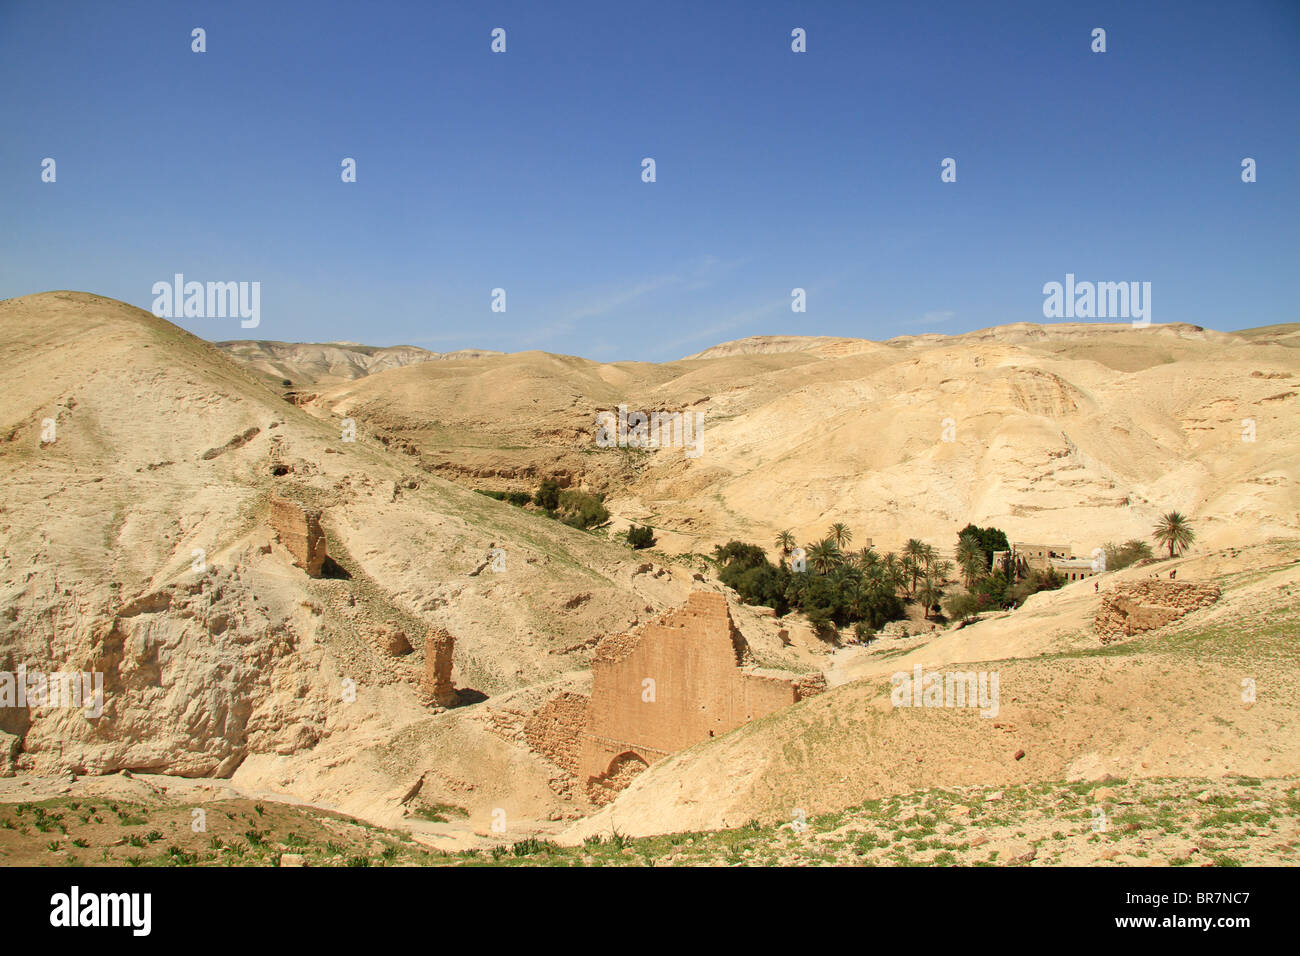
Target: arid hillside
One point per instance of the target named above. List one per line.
(1071, 433)
(136, 539)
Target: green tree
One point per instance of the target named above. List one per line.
(892, 571)
(823, 556)
(840, 534)
(971, 559)
(929, 593)
(913, 557)
(866, 559)
(640, 537)
(990, 539)
(1174, 531)
(785, 543)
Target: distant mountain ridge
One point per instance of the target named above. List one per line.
(314, 363)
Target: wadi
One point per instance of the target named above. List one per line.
(354, 605)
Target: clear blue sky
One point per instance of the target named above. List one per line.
(775, 170)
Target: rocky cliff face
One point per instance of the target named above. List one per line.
(195, 675)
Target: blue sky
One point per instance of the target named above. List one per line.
(775, 170)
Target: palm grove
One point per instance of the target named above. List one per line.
(835, 586)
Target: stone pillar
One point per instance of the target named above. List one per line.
(438, 648)
(299, 530)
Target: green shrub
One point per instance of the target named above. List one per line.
(962, 606)
(1120, 556)
(641, 537)
(547, 495)
(580, 509)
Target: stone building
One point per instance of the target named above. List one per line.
(677, 682)
(1074, 569)
(1060, 558)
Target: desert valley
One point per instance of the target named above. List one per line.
(361, 605)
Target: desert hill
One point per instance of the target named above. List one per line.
(137, 538)
(1071, 433)
(158, 444)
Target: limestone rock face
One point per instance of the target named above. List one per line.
(299, 530)
(194, 678)
(1138, 606)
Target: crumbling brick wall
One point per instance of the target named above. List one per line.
(556, 730)
(438, 649)
(810, 685)
(299, 530)
(1138, 606)
(606, 787)
(677, 682)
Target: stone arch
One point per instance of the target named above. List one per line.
(622, 770)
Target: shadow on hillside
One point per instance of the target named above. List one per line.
(333, 570)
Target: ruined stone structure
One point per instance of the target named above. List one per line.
(1138, 606)
(556, 730)
(299, 530)
(438, 648)
(676, 682)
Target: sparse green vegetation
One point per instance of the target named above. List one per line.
(641, 537)
(1121, 556)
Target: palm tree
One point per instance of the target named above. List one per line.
(823, 556)
(840, 534)
(785, 543)
(911, 569)
(867, 559)
(1174, 531)
(891, 572)
(971, 559)
(928, 555)
(859, 599)
(928, 594)
(913, 554)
